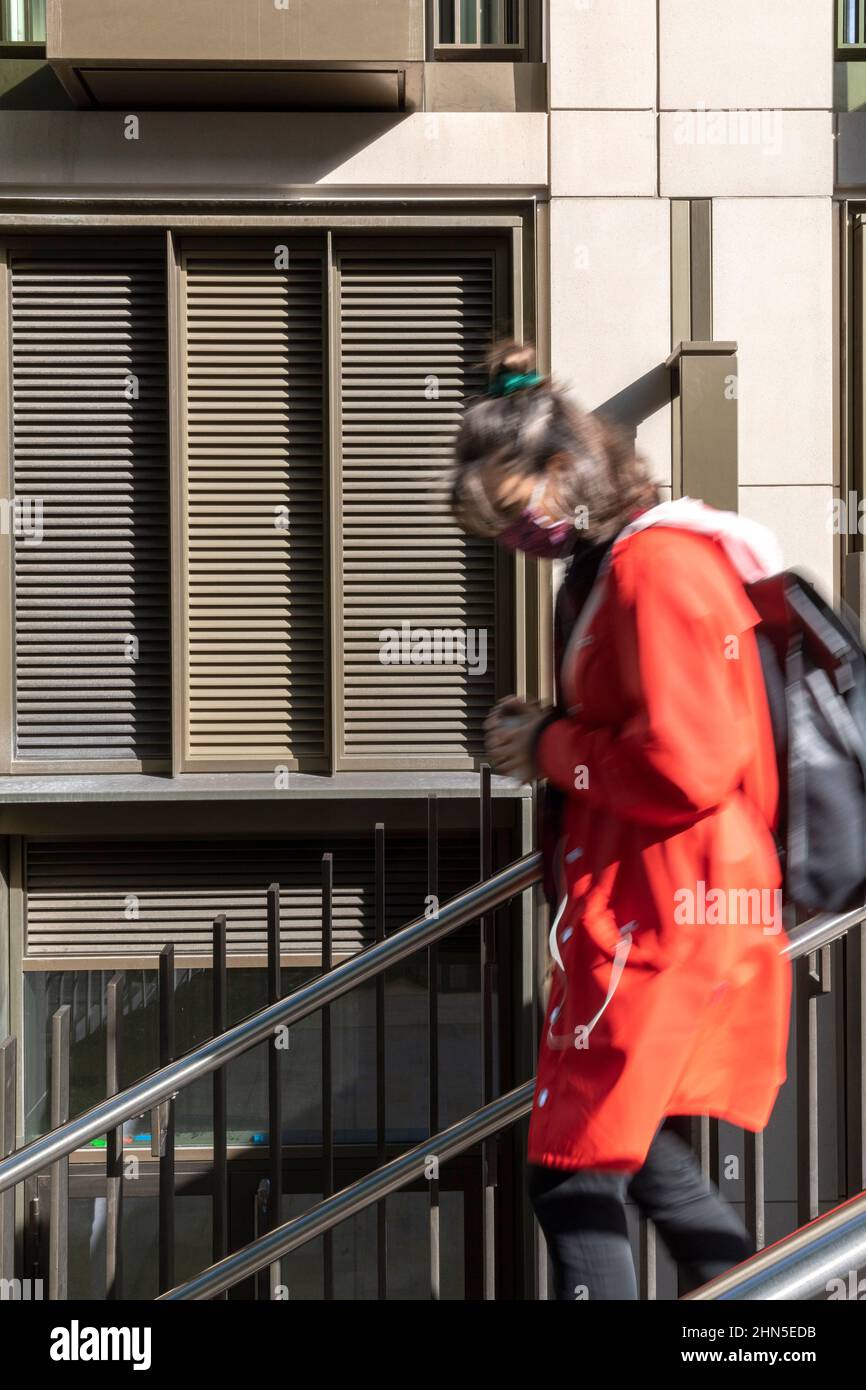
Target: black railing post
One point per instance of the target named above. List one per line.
(327, 1070)
(165, 1121)
(488, 1043)
(433, 1045)
(275, 1117)
(219, 1023)
(8, 1096)
(58, 1241)
(114, 1143)
(381, 1209)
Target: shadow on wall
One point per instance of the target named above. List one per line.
(206, 152)
(639, 400)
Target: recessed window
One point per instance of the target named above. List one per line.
(22, 21)
(479, 23)
(851, 28)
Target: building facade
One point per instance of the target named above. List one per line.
(252, 255)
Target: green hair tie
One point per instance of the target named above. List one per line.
(504, 384)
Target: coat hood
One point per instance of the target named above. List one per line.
(751, 548)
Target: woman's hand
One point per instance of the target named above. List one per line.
(510, 731)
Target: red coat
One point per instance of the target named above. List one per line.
(670, 996)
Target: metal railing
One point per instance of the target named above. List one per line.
(828, 1252)
(158, 1091)
(803, 1260)
(809, 946)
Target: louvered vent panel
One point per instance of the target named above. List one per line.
(89, 443)
(121, 897)
(254, 456)
(413, 330)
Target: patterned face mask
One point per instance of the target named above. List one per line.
(536, 535)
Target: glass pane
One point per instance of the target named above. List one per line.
(446, 21)
(353, 1023)
(140, 1239)
(37, 21)
(850, 21)
(355, 1250)
(468, 21)
(512, 21)
(490, 21)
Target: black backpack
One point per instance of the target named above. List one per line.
(815, 673)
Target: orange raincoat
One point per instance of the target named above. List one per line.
(669, 994)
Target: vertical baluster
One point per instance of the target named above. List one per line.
(219, 1023)
(275, 1116)
(541, 927)
(756, 1211)
(114, 1143)
(261, 1223)
(855, 1059)
(488, 995)
(165, 1121)
(327, 1071)
(433, 1045)
(648, 1270)
(58, 1245)
(381, 1209)
(811, 977)
(8, 1098)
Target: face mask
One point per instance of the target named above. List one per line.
(536, 535)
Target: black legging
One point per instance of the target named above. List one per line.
(582, 1215)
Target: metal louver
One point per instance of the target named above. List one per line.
(110, 897)
(414, 326)
(89, 447)
(254, 480)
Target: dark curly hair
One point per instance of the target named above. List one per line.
(534, 443)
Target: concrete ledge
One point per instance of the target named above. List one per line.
(221, 153)
(253, 786)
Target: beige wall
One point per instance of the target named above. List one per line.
(231, 30)
(81, 152)
(695, 99)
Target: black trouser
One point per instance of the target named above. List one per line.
(583, 1218)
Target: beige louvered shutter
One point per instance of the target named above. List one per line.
(414, 326)
(109, 898)
(89, 447)
(254, 484)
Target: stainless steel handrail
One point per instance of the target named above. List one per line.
(802, 1265)
(477, 901)
(161, 1085)
(489, 1120)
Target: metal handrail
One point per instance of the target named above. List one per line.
(801, 1265)
(161, 1085)
(482, 1124)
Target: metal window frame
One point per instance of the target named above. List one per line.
(228, 245)
(460, 45)
(521, 226)
(29, 40)
(10, 765)
(850, 48)
(505, 297)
